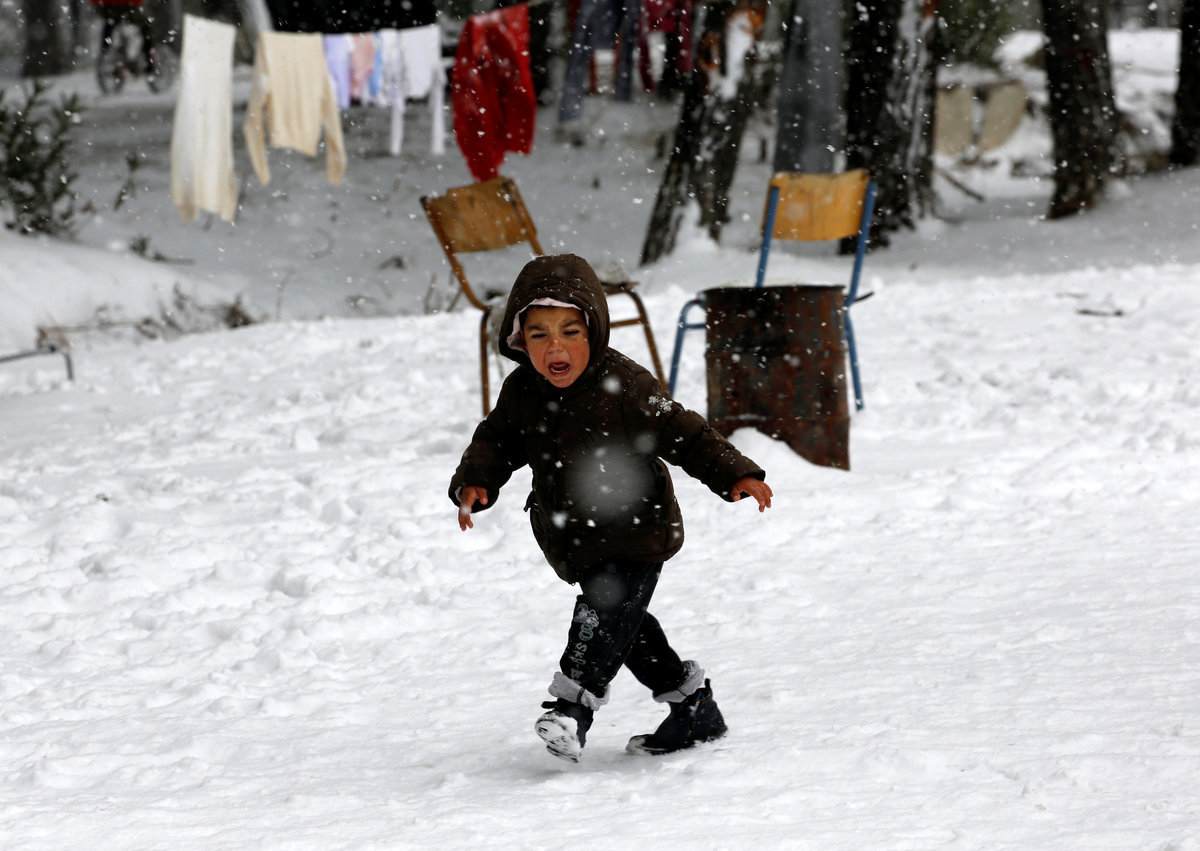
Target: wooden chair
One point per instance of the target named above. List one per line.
(810, 208)
(491, 215)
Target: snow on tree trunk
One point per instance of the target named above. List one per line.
(1185, 129)
(891, 82)
(809, 131)
(718, 101)
(1083, 112)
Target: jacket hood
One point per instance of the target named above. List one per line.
(562, 279)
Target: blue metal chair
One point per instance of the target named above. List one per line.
(808, 208)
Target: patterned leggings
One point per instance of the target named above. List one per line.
(611, 628)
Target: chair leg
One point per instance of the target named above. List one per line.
(680, 329)
(483, 364)
(854, 376)
(644, 321)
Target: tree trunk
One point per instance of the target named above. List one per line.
(77, 11)
(718, 101)
(1185, 128)
(808, 133)
(255, 18)
(1083, 112)
(891, 80)
(44, 53)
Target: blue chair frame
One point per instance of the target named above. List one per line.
(864, 230)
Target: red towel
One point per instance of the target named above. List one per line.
(491, 90)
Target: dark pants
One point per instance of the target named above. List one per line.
(611, 628)
(114, 15)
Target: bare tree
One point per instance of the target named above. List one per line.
(891, 83)
(1185, 129)
(809, 125)
(44, 49)
(1083, 112)
(719, 99)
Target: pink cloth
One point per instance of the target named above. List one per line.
(362, 63)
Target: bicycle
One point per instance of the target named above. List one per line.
(125, 54)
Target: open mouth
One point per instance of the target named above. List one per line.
(559, 368)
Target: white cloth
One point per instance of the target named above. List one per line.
(564, 687)
(202, 176)
(412, 68)
(693, 679)
(292, 89)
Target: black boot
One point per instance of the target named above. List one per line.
(693, 720)
(564, 728)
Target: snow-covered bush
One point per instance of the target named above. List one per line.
(35, 180)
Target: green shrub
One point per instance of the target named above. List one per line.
(36, 183)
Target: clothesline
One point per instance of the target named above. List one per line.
(387, 68)
(292, 92)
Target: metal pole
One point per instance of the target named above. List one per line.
(768, 232)
(50, 349)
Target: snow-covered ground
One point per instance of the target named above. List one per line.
(236, 610)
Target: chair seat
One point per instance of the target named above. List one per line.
(490, 216)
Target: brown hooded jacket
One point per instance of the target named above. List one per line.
(596, 448)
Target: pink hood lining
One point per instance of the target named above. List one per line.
(515, 340)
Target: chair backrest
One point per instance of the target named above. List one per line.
(954, 120)
(1003, 115)
(481, 217)
(819, 207)
(816, 207)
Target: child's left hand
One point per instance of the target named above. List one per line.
(750, 486)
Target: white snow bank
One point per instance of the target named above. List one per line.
(51, 284)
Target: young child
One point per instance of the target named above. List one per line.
(595, 428)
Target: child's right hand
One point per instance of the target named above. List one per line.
(469, 496)
(750, 486)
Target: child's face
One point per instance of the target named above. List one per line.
(556, 339)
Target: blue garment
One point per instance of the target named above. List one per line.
(375, 81)
(597, 25)
(337, 57)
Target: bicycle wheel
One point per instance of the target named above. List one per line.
(164, 66)
(110, 63)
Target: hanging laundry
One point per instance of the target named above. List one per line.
(202, 176)
(362, 63)
(391, 83)
(375, 81)
(421, 51)
(598, 23)
(673, 18)
(292, 91)
(337, 59)
(627, 40)
(416, 68)
(339, 16)
(494, 104)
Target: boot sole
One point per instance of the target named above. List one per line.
(560, 739)
(638, 745)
